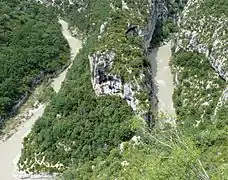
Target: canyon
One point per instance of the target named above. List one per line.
(10, 149)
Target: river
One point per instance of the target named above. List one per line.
(162, 75)
(11, 148)
(160, 57)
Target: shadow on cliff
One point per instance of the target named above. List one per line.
(158, 39)
(152, 54)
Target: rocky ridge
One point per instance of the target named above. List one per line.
(102, 61)
(118, 66)
(204, 31)
(112, 72)
(206, 36)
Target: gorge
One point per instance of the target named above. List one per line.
(11, 147)
(145, 97)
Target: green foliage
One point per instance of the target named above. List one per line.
(207, 19)
(199, 89)
(199, 86)
(91, 16)
(81, 132)
(166, 26)
(175, 6)
(130, 58)
(77, 126)
(217, 8)
(85, 16)
(167, 155)
(130, 61)
(45, 94)
(196, 100)
(31, 45)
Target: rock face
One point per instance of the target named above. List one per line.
(106, 83)
(158, 11)
(205, 34)
(102, 81)
(102, 29)
(102, 62)
(204, 30)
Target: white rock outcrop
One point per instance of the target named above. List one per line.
(204, 34)
(106, 83)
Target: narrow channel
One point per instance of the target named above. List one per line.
(162, 75)
(11, 148)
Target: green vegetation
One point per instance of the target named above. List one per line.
(158, 158)
(90, 137)
(196, 99)
(130, 59)
(85, 16)
(77, 126)
(206, 21)
(31, 46)
(217, 8)
(166, 25)
(188, 151)
(199, 86)
(197, 94)
(45, 94)
(129, 50)
(162, 154)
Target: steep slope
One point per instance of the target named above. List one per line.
(91, 131)
(200, 68)
(203, 28)
(84, 122)
(10, 148)
(31, 47)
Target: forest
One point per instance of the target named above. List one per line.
(88, 126)
(78, 126)
(188, 151)
(100, 137)
(31, 47)
(196, 101)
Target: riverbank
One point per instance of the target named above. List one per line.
(10, 148)
(163, 79)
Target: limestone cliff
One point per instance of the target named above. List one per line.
(119, 68)
(205, 33)
(200, 62)
(118, 63)
(113, 58)
(87, 119)
(203, 29)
